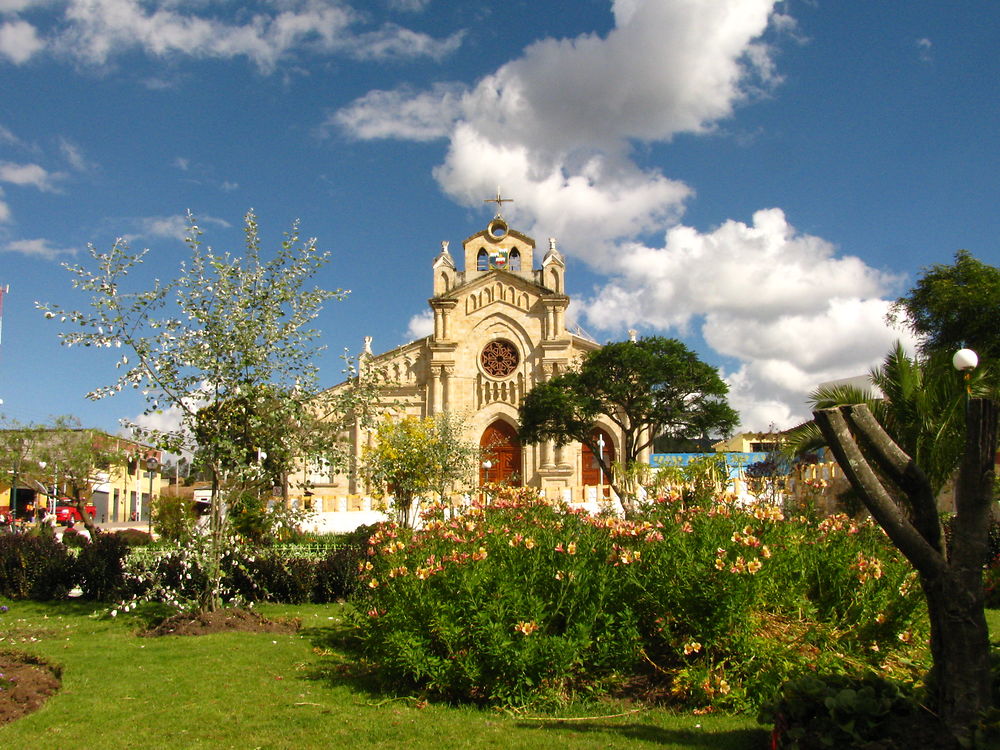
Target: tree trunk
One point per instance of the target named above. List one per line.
(960, 681)
(88, 520)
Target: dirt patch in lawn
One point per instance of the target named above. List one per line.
(221, 621)
(26, 682)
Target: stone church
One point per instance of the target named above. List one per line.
(499, 328)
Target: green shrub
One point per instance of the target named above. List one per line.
(74, 539)
(101, 567)
(134, 537)
(521, 601)
(841, 711)
(35, 566)
(336, 574)
(174, 517)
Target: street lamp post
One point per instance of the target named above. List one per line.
(151, 465)
(600, 466)
(487, 465)
(43, 485)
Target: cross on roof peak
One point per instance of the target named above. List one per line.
(499, 201)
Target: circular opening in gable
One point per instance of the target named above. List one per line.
(497, 229)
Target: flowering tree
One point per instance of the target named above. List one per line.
(227, 330)
(413, 458)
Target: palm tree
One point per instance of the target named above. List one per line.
(918, 401)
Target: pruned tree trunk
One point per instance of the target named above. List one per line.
(960, 680)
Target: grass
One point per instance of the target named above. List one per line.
(240, 690)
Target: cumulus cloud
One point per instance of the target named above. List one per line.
(19, 41)
(558, 128)
(421, 325)
(402, 114)
(555, 126)
(96, 31)
(168, 421)
(782, 303)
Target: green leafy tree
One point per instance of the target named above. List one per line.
(174, 517)
(17, 444)
(955, 306)
(62, 458)
(415, 458)
(228, 330)
(79, 460)
(647, 388)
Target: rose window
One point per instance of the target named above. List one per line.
(499, 358)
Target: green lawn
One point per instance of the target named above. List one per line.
(239, 690)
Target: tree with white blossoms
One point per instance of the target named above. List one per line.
(229, 345)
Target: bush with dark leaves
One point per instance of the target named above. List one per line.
(101, 566)
(35, 567)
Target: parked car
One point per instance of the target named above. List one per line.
(67, 513)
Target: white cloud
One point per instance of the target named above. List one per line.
(763, 270)
(169, 420)
(74, 155)
(402, 114)
(781, 303)
(19, 41)
(925, 50)
(31, 175)
(95, 31)
(175, 227)
(421, 324)
(38, 248)
(393, 42)
(14, 6)
(409, 6)
(557, 127)
(4, 210)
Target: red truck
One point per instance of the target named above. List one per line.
(67, 513)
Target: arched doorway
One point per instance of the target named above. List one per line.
(502, 448)
(591, 474)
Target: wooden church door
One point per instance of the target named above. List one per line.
(502, 449)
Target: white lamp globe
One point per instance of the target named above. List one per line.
(965, 360)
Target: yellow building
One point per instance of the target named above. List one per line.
(119, 493)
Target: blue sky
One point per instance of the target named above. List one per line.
(756, 178)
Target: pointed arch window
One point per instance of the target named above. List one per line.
(514, 260)
(483, 260)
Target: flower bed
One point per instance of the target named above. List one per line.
(520, 602)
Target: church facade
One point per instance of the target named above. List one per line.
(499, 329)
